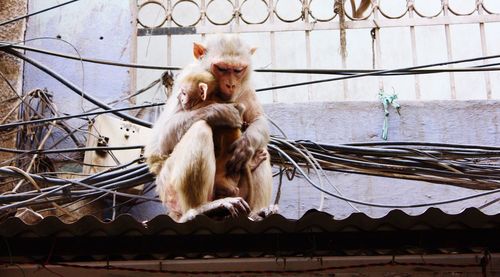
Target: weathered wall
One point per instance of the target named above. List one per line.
(464, 122)
(10, 68)
(97, 29)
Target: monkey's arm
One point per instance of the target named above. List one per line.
(170, 128)
(256, 136)
(257, 133)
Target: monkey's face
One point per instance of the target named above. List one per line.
(229, 77)
(185, 97)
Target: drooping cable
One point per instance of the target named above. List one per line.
(37, 12)
(74, 88)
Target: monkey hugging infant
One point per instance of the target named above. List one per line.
(197, 90)
(204, 162)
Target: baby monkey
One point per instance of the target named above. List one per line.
(198, 89)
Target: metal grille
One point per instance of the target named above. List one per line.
(258, 12)
(312, 27)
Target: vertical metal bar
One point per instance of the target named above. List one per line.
(273, 50)
(133, 48)
(237, 15)
(449, 49)
(305, 9)
(169, 36)
(203, 7)
(378, 50)
(414, 49)
(484, 49)
(343, 55)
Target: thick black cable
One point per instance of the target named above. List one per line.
(376, 204)
(275, 70)
(118, 170)
(129, 181)
(56, 181)
(38, 121)
(375, 72)
(420, 143)
(94, 179)
(74, 88)
(134, 181)
(37, 12)
(144, 171)
(69, 150)
(97, 61)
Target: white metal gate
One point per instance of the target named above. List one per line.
(306, 34)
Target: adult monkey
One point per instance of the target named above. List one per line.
(186, 178)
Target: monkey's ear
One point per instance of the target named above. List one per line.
(198, 50)
(252, 50)
(203, 90)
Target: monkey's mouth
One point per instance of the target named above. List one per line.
(226, 95)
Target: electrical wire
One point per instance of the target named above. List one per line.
(478, 68)
(373, 73)
(79, 59)
(128, 180)
(35, 13)
(377, 204)
(73, 88)
(68, 150)
(38, 121)
(4, 44)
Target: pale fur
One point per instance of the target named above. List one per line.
(229, 48)
(186, 178)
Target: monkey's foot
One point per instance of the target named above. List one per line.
(220, 209)
(265, 212)
(258, 157)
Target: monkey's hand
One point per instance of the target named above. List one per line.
(242, 153)
(220, 209)
(264, 212)
(221, 115)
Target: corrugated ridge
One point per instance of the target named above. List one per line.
(311, 221)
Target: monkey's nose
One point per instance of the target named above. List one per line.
(229, 86)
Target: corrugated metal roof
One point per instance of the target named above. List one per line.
(315, 233)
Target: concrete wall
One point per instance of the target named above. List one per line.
(10, 68)
(97, 29)
(464, 122)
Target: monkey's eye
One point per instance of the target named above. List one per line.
(221, 69)
(238, 70)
